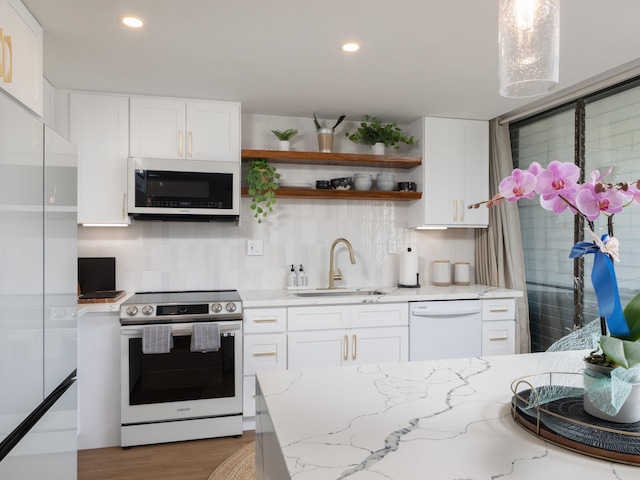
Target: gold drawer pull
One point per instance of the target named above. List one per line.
(354, 343)
(499, 309)
(265, 354)
(498, 339)
(266, 320)
(346, 348)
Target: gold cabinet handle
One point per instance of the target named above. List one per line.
(191, 144)
(124, 206)
(266, 320)
(346, 348)
(265, 354)
(461, 210)
(1, 53)
(5, 40)
(180, 145)
(455, 210)
(354, 343)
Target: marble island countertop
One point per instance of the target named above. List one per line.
(286, 298)
(446, 419)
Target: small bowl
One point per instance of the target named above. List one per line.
(385, 181)
(323, 184)
(341, 183)
(363, 183)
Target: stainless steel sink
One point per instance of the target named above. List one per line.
(339, 292)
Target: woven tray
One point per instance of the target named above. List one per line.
(564, 422)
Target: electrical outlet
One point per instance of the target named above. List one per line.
(391, 248)
(254, 247)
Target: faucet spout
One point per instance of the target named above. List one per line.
(337, 275)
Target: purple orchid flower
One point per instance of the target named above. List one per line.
(557, 179)
(519, 185)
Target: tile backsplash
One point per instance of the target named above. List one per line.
(196, 256)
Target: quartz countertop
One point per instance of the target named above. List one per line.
(287, 298)
(446, 419)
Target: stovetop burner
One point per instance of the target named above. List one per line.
(182, 306)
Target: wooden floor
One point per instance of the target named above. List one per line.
(194, 460)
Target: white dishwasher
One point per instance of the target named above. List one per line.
(445, 329)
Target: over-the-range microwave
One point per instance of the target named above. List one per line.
(183, 190)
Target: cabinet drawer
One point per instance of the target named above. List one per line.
(264, 351)
(499, 309)
(498, 337)
(265, 320)
(318, 318)
(380, 315)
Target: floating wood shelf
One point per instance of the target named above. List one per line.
(342, 194)
(339, 159)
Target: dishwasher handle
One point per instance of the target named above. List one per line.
(458, 311)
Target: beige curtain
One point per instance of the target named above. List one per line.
(499, 259)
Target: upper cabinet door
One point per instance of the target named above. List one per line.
(213, 131)
(158, 128)
(21, 59)
(455, 173)
(99, 127)
(194, 130)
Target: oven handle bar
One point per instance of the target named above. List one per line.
(182, 330)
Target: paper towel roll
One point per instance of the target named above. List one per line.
(409, 269)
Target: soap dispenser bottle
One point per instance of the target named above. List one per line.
(293, 279)
(302, 278)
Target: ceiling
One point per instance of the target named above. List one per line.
(282, 57)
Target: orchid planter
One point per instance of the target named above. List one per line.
(629, 412)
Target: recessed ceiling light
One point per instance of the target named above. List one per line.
(350, 47)
(133, 22)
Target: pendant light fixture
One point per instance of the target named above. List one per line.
(529, 44)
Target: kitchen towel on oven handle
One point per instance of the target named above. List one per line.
(157, 339)
(205, 337)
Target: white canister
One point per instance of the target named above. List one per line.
(461, 273)
(441, 272)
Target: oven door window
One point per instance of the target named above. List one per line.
(181, 374)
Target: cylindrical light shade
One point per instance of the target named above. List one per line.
(529, 43)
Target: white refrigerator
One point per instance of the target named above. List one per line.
(38, 298)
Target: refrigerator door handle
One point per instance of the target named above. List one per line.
(34, 417)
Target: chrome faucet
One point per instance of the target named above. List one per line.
(333, 276)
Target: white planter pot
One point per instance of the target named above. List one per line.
(378, 148)
(630, 411)
(285, 145)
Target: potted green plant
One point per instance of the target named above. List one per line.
(262, 185)
(285, 137)
(325, 135)
(372, 132)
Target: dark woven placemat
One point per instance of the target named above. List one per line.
(571, 409)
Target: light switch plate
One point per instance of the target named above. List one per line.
(254, 247)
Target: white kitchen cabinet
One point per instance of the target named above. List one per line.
(264, 348)
(455, 172)
(98, 380)
(99, 127)
(332, 336)
(21, 43)
(176, 128)
(498, 326)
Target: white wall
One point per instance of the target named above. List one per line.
(187, 256)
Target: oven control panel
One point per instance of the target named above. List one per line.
(136, 313)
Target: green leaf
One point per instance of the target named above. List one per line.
(622, 352)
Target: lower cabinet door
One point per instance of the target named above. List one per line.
(379, 345)
(318, 349)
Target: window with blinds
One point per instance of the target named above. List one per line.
(612, 140)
